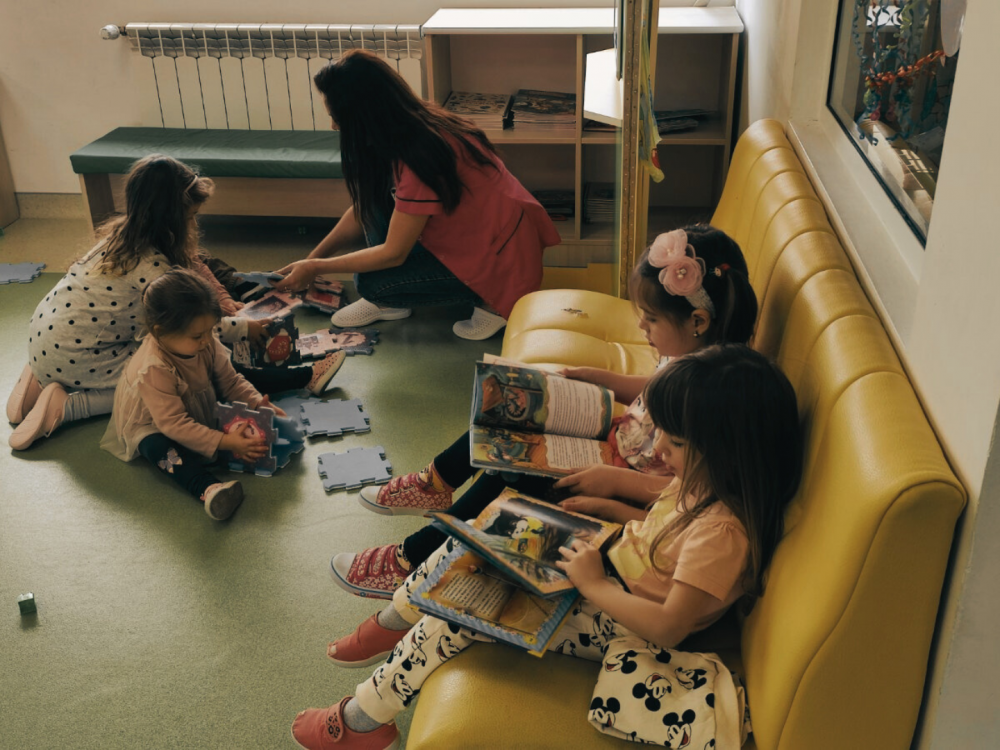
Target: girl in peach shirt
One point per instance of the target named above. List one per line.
(728, 425)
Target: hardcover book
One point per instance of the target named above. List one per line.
(500, 579)
(529, 421)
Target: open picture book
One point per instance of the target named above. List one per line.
(531, 421)
(501, 579)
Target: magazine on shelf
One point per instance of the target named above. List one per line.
(490, 110)
(500, 580)
(529, 421)
(544, 109)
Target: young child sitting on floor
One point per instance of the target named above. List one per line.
(164, 406)
(728, 426)
(84, 331)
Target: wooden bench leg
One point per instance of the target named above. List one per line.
(96, 189)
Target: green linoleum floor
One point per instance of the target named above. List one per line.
(158, 627)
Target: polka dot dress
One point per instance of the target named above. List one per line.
(83, 332)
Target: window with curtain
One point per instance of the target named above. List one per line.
(891, 82)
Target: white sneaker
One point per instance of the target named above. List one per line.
(363, 312)
(480, 326)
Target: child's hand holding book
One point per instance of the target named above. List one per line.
(583, 563)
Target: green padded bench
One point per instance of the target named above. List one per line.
(256, 172)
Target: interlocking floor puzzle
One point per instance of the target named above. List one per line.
(274, 304)
(353, 468)
(280, 349)
(291, 402)
(280, 433)
(334, 418)
(21, 273)
(260, 278)
(350, 340)
(323, 295)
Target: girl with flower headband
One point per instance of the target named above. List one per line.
(690, 290)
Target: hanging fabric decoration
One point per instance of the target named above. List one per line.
(649, 134)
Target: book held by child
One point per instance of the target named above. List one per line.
(501, 580)
(530, 421)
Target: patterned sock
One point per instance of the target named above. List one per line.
(357, 720)
(390, 619)
(88, 403)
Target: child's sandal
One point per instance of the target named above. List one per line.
(323, 372)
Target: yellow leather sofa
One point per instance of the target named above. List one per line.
(834, 654)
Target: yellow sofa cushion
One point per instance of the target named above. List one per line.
(835, 652)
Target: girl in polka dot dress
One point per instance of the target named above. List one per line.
(84, 331)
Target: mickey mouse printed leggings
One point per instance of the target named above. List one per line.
(431, 642)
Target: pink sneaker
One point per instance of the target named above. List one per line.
(408, 495)
(369, 644)
(325, 729)
(375, 572)
(24, 396)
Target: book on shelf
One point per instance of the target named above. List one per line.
(676, 120)
(599, 202)
(558, 204)
(501, 579)
(549, 110)
(529, 421)
(485, 110)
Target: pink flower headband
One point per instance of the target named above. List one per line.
(682, 271)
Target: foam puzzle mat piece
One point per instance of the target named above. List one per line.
(354, 468)
(258, 277)
(334, 418)
(282, 435)
(21, 273)
(350, 340)
(291, 403)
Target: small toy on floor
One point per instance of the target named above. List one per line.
(26, 603)
(334, 418)
(281, 434)
(354, 468)
(21, 273)
(348, 340)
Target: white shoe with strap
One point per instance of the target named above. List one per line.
(363, 312)
(480, 326)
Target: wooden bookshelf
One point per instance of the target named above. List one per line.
(501, 50)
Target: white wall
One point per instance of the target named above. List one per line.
(61, 86)
(942, 307)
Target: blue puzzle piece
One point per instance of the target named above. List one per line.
(291, 403)
(22, 273)
(334, 418)
(350, 470)
(260, 278)
(281, 434)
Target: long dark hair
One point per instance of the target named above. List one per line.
(159, 194)
(734, 299)
(737, 413)
(172, 301)
(381, 123)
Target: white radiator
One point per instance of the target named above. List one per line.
(253, 76)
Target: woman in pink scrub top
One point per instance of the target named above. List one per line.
(443, 220)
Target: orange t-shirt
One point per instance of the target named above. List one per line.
(711, 554)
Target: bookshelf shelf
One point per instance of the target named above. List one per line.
(501, 50)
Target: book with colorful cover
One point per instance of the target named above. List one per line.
(529, 421)
(534, 105)
(495, 593)
(471, 104)
(521, 536)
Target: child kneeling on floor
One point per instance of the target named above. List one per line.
(727, 422)
(164, 405)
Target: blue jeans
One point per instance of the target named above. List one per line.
(421, 281)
